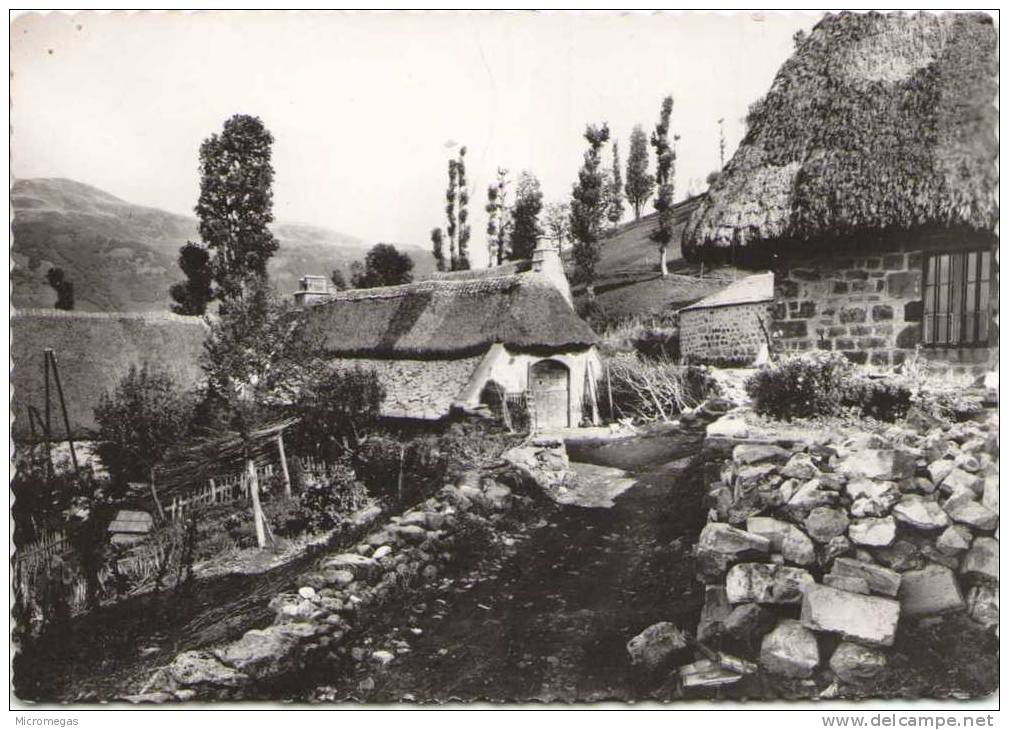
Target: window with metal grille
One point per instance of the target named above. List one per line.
(957, 298)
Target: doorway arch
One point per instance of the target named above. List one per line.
(550, 386)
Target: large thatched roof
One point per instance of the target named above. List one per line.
(448, 318)
(876, 122)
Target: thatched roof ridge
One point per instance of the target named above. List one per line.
(492, 272)
(877, 122)
(448, 318)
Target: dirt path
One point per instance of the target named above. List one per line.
(550, 620)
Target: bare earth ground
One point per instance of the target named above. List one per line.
(550, 620)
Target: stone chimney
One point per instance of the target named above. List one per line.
(547, 262)
(314, 289)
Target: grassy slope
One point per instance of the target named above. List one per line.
(629, 284)
(122, 257)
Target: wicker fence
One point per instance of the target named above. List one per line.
(219, 490)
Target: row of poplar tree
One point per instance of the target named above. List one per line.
(597, 199)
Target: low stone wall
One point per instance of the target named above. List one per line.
(729, 335)
(333, 601)
(816, 551)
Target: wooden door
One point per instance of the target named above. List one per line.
(550, 385)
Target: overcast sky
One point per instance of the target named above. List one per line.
(364, 108)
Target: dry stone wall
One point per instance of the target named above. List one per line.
(815, 553)
(337, 598)
(729, 335)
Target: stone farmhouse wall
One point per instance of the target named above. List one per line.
(419, 389)
(726, 335)
(867, 306)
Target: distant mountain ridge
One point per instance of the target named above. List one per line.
(122, 257)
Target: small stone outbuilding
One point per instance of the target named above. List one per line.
(479, 341)
(731, 327)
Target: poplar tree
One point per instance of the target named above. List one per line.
(497, 219)
(235, 206)
(462, 259)
(456, 215)
(588, 209)
(525, 224)
(639, 183)
(438, 248)
(665, 156)
(615, 208)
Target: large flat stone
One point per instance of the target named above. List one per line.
(267, 652)
(963, 508)
(868, 619)
(774, 530)
(766, 583)
(961, 479)
(760, 454)
(881, 580)
(931, 591)
(873, 531)
(889, 464)
(195, 668)
(790, 650)
(723, 538)
(954, 540)
(800, 466)
(921, 513)
(825, 523)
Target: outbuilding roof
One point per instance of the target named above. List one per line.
(750, 290)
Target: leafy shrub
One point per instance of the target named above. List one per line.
(948, 404)
(139, 420)
(884, 400)
(658, 343)
(399, 471)
(404, 471)
(325, 503)
(649, 390)
(801, 386)
(336, 408)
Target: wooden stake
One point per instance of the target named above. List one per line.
(157, 502)
(609, 391)
(63, 406)
(257, 508)
(283, 465)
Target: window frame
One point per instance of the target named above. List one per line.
(958, 281)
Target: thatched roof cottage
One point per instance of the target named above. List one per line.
(867, 182)
(468, 341)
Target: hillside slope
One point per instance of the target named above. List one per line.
(122, 257)
(629, 284)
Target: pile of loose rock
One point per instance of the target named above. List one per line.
(816, 552)
(410, 550)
